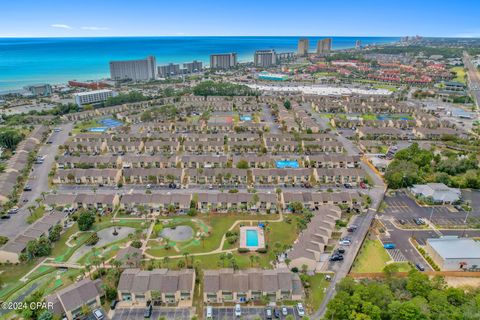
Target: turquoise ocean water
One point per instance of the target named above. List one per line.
(26, 61)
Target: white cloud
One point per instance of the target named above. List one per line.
(61, 26)
(95, 28)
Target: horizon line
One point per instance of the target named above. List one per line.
(224, 36)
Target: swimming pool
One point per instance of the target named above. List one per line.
(245, 118)
(98, 129)
(287, 164)
(110, 122)
(252, 238)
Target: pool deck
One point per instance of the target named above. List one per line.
(243, 238)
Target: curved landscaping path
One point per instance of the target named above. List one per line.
(222, 242)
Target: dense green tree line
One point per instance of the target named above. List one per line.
(130, 97)
(9, 138)
(415, 165)
(211, 88)
(415, 297)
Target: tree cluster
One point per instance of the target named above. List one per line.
(415, 165)
(211, 88)
(415, 297)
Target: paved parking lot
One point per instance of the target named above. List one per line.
(248, 313)
(138, 313)
(403, 207)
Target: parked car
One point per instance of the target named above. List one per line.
(402, 221)
(148, 311)
(27, 188)
(420, 266)
(113, 304)
(300, 310)
(98, 314)
(345, 242)
(209, 312)
(276, 313)
(238, 310)
(284, 311)
(268, 313)
(5, 216)
(336, 257)
(352, 228)
(418, 221)
(340, 250)
(13, 210)
(389, 246)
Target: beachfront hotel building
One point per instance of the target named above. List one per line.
(265, 58)
(93, 97)
(192, 67)
(168, 70)
(324, 46)
(223, 60)
(135, 70)
(303, 45)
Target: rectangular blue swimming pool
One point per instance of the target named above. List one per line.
(98, 129)
(245, 118)
(287, 164)
(252, 238)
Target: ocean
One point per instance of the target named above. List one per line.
(25, 61)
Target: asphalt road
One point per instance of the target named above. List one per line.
(38, 181)
(473, 77)
(248, 313)
(364, 221)
(138, 313)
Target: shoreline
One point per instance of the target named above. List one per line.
(57, 60)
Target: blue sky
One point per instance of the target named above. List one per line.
(74, 18)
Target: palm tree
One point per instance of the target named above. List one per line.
(287, 262)
(202, 238)
(252, 259)
(88, 267)
(185, 255)
(166, 260)
(116, 263)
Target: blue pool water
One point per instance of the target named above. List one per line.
(287, 164)
(110, 123)
(98, 129)
(389, 118)
(252, 238)
(245, 118)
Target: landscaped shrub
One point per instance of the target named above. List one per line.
(262, 250)
(136, 244)
(243, 250)
(92, 240)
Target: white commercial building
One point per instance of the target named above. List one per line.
(453, 253)
(93, 97)
(436, 192)
(135, 70)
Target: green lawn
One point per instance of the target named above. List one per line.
(387, 87)
(369, 116)
(316, 291)
(459, 74)
(85, 125)
(213, 261)
(217, 225)
(36, 214)
(371, 258)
